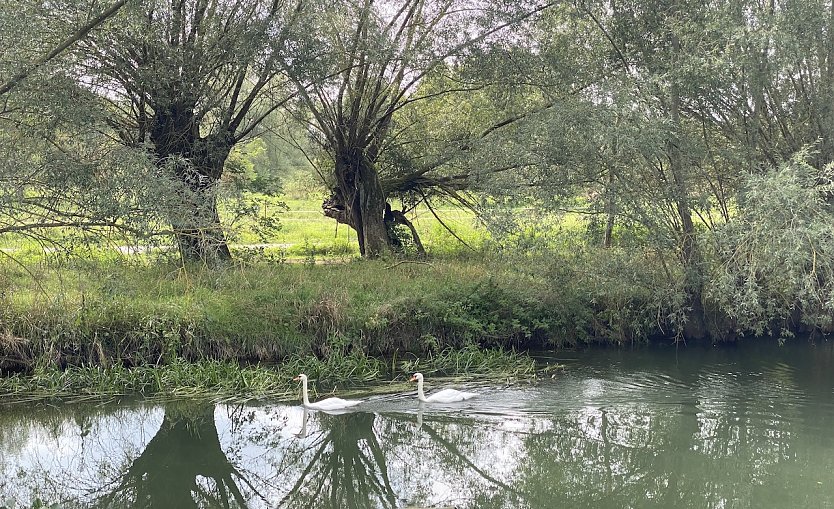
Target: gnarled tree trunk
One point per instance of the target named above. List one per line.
(359, 201)
(198, 165)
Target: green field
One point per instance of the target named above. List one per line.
(303, 233)
(305, 230)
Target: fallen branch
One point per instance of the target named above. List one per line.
(408, 261)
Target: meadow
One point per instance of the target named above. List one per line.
(304, 231)
(94, 319)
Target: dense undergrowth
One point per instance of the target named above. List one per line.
(91, 314)
(75, 326)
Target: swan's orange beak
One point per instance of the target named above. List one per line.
(296, 379)
(412, 379)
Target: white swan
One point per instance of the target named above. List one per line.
(325, 404)
(444, 396)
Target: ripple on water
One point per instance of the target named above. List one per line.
(616, 429)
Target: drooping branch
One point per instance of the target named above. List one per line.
(442, 223)
(62, 47)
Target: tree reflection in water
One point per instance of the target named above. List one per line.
(756, 436)
(182, 466)
(283, 457)
(363, 460)
(347, 467)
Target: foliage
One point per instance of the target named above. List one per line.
(644, 169)
(188, 82)
(775, 259)
(115, 314)
(57, 168)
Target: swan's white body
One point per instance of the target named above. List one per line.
(325, 404)
(444, 396)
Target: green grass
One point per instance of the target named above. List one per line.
(99, 313)
(225, 380)
(150, 326)
(304, 233)
(305, 229)
(77, 312)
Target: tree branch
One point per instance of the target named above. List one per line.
(63, 46)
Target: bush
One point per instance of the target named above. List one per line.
(774, 262)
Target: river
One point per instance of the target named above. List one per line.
(747, 426)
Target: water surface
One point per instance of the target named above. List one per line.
(732, 427)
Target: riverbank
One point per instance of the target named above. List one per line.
(113, 328)
(96, 314)
(79, 326)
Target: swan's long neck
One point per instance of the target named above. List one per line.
(306, 399)
(420, 394)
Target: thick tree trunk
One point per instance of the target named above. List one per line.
(695, 327)
(372, 207)
(199, 234)
(198, 165)
(359, 201)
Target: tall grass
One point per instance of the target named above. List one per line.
(116, 314)
(225, 380)
(60, 321)
(88, 313)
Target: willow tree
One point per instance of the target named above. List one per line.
(740, 86)
(627, 141)
(382, 55)
(14, 26)
(782, 98)
(53, 158)
(189, 79)
(630, 142)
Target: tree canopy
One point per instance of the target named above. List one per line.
(660, 123)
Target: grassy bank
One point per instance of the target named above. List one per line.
(73, 326)
(111, 327)
(228, 380)
(101, 314)
(106, 313)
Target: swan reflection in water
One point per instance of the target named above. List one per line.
(327, 405)
(603, 442)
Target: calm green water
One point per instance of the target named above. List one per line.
(707, 428)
